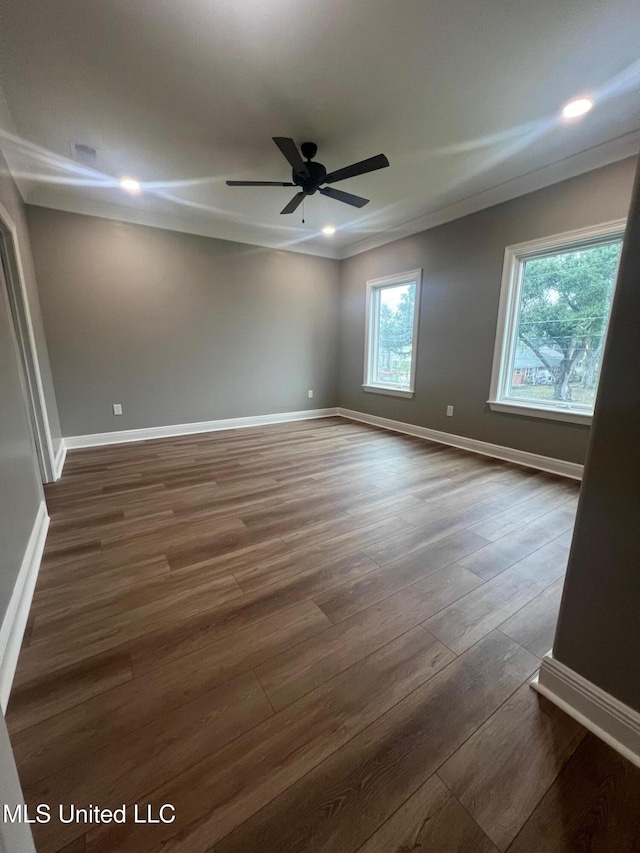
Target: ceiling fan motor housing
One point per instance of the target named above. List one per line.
(311, 176)
(310, 182)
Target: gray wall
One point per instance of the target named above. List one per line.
(179, 328)
(12, 200)
(14, 837)
(462, 269)
(598, 632)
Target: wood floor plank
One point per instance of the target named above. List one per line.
(176, 640)
(315, 534)
(82, 641)
(77, 846)
(222, 791)
(503, 552)
(289, 517)
(82, 586)
(137, 494)
(190, 550)
(505, 768)
(393, 547)
(335, 807)
(119, 530)
(480, 611)
(456, 499)
(88, 517)
(533, 508)
(293, 562)
(430, 820)
(174, 532)
(74, 735)
(36, 698)
(233, 562)
(268, 726)
(150, 756)
(294, 673)
(111, 604)
(534, 625)
(357, 595)
(81, 567)
(592, 805)
(565, 538)
(368, 503)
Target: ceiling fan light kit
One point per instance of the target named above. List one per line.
(311, 176)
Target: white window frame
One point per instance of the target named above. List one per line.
(374, 286)
(511, 289)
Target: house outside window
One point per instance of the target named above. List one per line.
(391, 338)
(554, 310)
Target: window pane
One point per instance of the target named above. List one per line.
(394, 336)
(563, 313)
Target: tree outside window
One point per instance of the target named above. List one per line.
(564, 309)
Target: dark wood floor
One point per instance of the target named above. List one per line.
(308, 637)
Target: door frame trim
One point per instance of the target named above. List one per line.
(23, 325)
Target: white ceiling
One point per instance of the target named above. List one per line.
(463, 97)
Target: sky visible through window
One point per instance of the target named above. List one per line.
(562, 320)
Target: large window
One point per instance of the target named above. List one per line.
(391, 334)
(554, 311)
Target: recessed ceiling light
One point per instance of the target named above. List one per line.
(130, 185)
(328, 230)
(577, 108)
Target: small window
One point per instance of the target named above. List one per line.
(554, 311)
(393, 307)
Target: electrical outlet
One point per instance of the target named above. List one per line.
(449, 411)
(310, 393)
(117, 408)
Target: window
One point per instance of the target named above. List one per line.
(554, 311)
(393, 307)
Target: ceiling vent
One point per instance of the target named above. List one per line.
(84, 153)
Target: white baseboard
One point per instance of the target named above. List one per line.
(508, 454)
(103, 438)
(15, 620)
(58, 462)
(497, 451)
(609, 719)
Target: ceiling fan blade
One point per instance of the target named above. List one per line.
(259, 184)
(348, 198)
(290, 151)
(361, 168)
(295, 202)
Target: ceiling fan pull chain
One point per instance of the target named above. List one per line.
(303, 211)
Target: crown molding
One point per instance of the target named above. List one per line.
(180, 224)
(570, 167)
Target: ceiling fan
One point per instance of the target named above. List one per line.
(310, 176)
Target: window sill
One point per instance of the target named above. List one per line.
(531, 410)
(392, 392)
